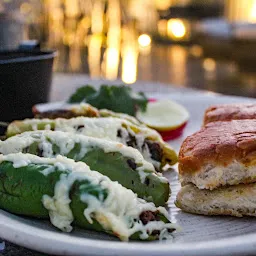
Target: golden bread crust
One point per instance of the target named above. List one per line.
(227, 112)
(219, 144)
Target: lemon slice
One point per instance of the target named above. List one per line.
(164, 115)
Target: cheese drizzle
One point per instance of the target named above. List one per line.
(114, 213)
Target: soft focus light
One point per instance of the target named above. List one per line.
(129, 55)
(112, 61)
(253, 12)
(176, 28)
(94, 54)
(71, 8)
(25, 8)
(57, 15)
(144, 40)
(75, 57)
(68, 38)
(97, 17)
(240, 10)
(196, 50)
(162, 27)
(111, 58)
(129, 66)
(178, 64)
(209, 65)
(162, 4)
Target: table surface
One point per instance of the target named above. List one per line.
(63, 85)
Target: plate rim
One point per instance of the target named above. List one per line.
(28, 236)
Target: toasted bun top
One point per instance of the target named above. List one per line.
(218, 144)
(227, 112)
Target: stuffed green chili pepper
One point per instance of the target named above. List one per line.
(66, 110)
(69, 193)
(115, 160)
(146, 140)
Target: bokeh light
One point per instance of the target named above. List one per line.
(176, 28)
(209, 64)
(144, 40)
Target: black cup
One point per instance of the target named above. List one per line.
(25, 80)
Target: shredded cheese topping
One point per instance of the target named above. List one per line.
(119, 212)
(67, 141)
(103, 127)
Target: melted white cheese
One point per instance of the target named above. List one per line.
(95, 127)
(63, 106)
(60, 213)
(114, 213)
(66, 142)
(104, 127)
(48, 170)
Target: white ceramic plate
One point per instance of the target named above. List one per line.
(200, 235)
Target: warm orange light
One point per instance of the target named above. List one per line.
(178, 63)
(94, 54)
(240, 10)
(176, 28)
(209, 64)
(162, 27)
(68, 38)
(163, 4)
(57, 15)
(75, 58)
(112, 54)
(25, 8)
(129, 55)
(129, 66)
(71, 8)
(196, 50)
(144, 40)
(97, 17)
(112, 61)
(253, 12)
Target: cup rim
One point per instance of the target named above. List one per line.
(39, 55)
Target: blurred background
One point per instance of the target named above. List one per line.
(188, 43)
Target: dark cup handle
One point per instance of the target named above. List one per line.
(29, 45)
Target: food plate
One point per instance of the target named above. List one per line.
(200, 235)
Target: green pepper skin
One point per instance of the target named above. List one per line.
(112, 164)
(22, 190)
(116, 166)
(17, 127)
